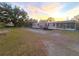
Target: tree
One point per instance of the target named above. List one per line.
(5, 11)
(50, 19)
(14, 15)
(19, 15)
(30, 21)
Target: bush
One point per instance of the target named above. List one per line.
(2, 25)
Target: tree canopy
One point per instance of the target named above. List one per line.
(50, 19)
(15, 15)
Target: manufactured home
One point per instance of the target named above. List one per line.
(42, 24)
(61, 25)
(36, 25)
(64, 25)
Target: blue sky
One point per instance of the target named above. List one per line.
(70, 5)
(42, 10)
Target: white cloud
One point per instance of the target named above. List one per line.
(73, 12)
(47, 10)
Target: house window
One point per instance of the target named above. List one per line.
(53, 24)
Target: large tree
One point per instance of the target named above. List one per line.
(19, 16)
(15, 15)
(5, 12)
(30, 21)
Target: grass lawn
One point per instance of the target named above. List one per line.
(74, 35)
(71, 34)
(21, 42)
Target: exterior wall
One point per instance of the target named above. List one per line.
(62, 26)
(52, 26)
(41, 25)
(57, 25)
(35, 25)
(77, 26)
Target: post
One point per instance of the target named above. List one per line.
(75, 25)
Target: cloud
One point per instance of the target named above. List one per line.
(36, 12)
(52, 8)
(45, 11)
(73, 12)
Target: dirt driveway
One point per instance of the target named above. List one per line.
(57, 44)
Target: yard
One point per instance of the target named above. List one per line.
(32, 42)
(21, 42)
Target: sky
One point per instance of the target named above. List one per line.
(43, 10)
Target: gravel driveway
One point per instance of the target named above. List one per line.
(57, 44)
(39, 31)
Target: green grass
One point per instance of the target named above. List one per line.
(72, 34)
(2, 25)
(21, 42)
